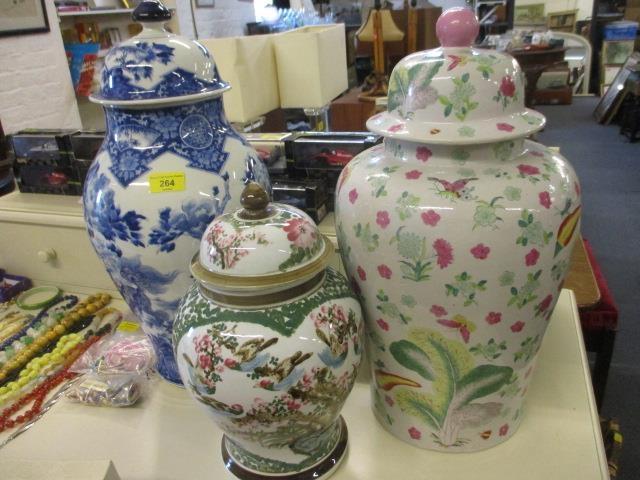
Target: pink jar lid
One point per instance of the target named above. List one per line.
(456, 94)
(457, 27)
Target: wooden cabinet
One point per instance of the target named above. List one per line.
(44, 238)
(349, 114)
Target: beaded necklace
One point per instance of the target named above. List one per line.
(47, 318)
(49, 361)
(38, 394)
(12, 323)
(84, 309)
(7, 305)
(39, 365)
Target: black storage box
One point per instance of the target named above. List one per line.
(43, 162)
(271, 149)
(307, 195)
(84, 148)
(327, 151)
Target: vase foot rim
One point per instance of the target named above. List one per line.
(323, 469)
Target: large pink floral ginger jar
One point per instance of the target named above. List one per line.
(457, 234)
(268, 341)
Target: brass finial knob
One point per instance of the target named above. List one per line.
(255, 201)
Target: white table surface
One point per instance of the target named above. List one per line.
(167, 436)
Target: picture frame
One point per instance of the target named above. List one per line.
(615, 90)
(530, 14)
(23, 17)
(616, 52)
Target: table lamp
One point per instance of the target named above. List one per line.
(379, 28)
(312, 69)
(412, 26)
(247, 63)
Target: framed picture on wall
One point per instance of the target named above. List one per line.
(20, 17)
(532, 14)
(203, 3)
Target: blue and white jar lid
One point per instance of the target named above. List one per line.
(157, 67)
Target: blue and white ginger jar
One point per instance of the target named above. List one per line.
(169, 165)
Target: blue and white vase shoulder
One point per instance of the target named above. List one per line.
(169, 165)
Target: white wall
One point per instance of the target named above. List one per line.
(35, 83)
(227, 19)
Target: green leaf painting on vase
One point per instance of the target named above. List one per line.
(465, 287)
(299, 255)
(492, 350)
(366, 236)
(456, 385)
(532, 231)
(486, 214)
(526, 294)
(406, 204)
(459, 101)
(485, 65)
(528, 348)
(391, 309)
(379, 181)
(410, 88)
(416, 261)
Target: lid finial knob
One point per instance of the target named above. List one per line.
(255, 201)
(457, 27)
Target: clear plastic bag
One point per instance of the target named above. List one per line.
(115, 371)
(122, 353)
(108, 390)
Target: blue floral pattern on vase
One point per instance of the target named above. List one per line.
(192, 219)
(146, 240)
(109, 221)
(195, 132)
(130, 67)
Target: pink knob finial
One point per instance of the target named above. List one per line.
(457, 27)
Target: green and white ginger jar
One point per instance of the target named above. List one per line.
(269, 340)
(457, 235)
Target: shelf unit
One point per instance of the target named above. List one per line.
(89, 13)
(91, 114)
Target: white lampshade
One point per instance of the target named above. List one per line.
(312, 65)
(249, 65)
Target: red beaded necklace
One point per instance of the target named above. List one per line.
(38, 394)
